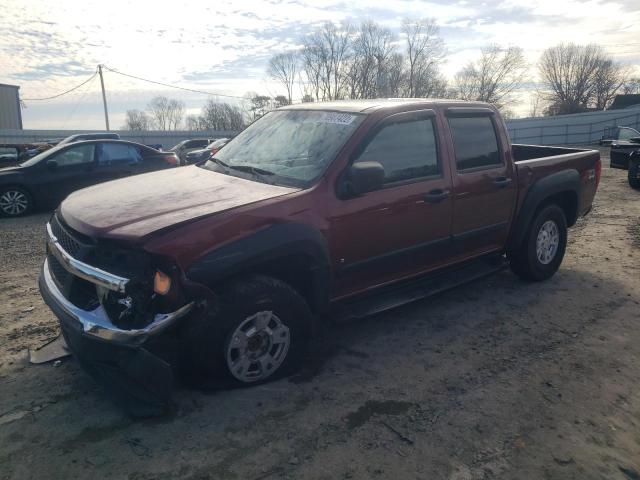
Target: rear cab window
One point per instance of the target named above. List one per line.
(475, 142)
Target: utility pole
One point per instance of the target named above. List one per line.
(104, 98)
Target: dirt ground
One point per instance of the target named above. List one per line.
(495, 379)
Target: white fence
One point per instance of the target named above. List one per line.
(165, 138)
(576, 129)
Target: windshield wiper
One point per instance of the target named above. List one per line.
(258, 172)
(219, 162)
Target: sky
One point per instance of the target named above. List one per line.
(223, 47)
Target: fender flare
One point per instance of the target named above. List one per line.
(265, 246)
(559, 182)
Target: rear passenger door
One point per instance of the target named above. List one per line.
(483, 186)
(117, 160)
(403, 228)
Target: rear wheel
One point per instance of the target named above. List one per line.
(258, 333)
(634, 174)
(15, 202)
(543, 247)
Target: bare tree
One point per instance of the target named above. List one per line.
(284, 69)
(280, 101)
(194, 123)
(137, 120)
(431, 83)
(324, 58)
(257, 105)
(424, 51)
(373, 50)
(631, 86)
(609, 79)
(493, 78)
(395, 76)
(166, 114)
(579, 76)
(536, 104)
(365, 62)
(221, 116)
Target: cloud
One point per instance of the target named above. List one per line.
(224, 46)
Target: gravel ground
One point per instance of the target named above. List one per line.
(496, 379)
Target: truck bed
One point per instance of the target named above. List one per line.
(534, 162)
(522, 153)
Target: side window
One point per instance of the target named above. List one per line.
(406, 150)
(114, 153)
(475, 142)
(627, 133)
(82, 154)
(9, 153)
(196, 144)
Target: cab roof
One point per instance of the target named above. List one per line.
(370, 105)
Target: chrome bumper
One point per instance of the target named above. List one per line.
(96, 322)
(83, 270)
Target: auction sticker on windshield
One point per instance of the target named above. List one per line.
(332, 117)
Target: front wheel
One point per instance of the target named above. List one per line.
(634, 174)
(543, 247)
(258, 333)
(15, 202)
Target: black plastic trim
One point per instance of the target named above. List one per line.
(559, 182)
(477, 232)
(279, 241)
(354, 266)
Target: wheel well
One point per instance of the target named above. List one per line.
(567, 201)
(301, 272)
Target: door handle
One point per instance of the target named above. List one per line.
(502, 182)
(436, 195)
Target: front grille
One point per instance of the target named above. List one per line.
(78, 291)
(60, 274)
(70, 244)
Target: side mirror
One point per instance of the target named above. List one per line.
(363, 177)
(52, 165)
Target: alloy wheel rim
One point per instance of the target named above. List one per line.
(547, 242)
(13, 202)
(257, 347)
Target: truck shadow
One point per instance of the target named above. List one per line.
(498, 317)
(467, 307)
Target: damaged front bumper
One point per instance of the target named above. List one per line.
(96, 323)
(118, 358)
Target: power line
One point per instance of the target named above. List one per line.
(63, 93)
(173, 86)
(84, 94)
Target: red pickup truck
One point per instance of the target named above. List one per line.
(221, 271)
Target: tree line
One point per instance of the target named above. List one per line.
(368, 60)
(163, 113)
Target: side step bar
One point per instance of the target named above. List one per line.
(417, 289)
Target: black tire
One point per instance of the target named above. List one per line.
(15, 202)
(634, 174)
(208, 336)
(524, 260)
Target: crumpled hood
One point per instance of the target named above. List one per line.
(136, 206)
